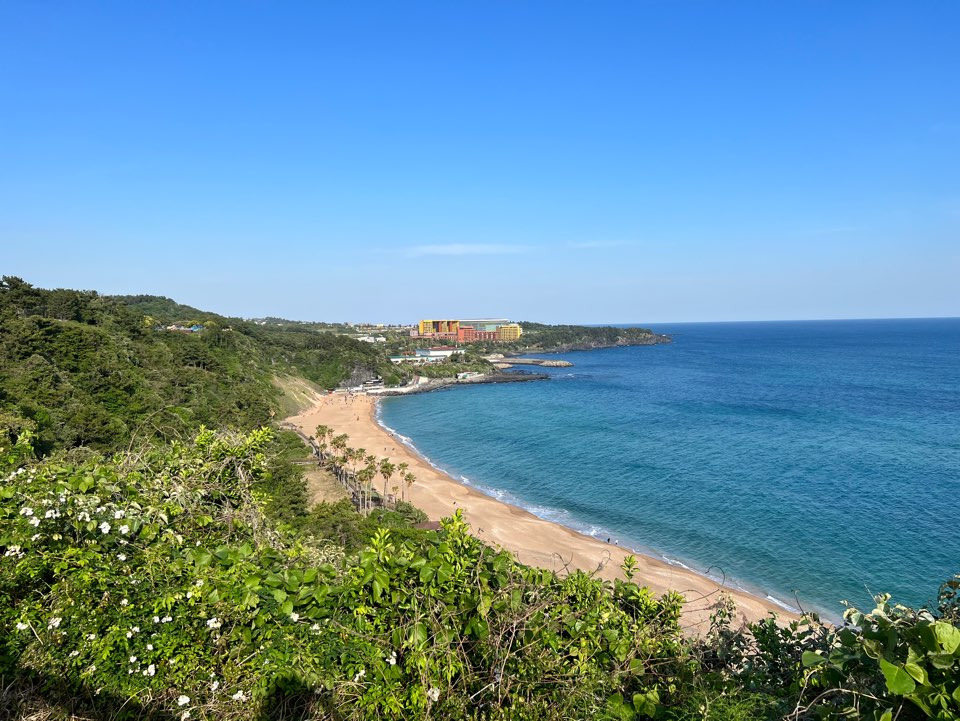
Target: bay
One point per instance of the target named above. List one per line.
(806, 461)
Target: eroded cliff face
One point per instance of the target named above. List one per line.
(358, 376)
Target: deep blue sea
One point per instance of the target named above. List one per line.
(808, 461)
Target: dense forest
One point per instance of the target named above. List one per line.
(159, 558)
(97, 371)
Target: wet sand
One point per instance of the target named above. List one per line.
(534, 541)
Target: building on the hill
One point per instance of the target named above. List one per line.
(439, 328)
(469, 331)
(509, 332)
(435, 355)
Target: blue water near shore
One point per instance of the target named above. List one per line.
(812, 461)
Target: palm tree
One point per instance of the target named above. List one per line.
(339, 444)
(402, 470)
(409, 479)
(356, 455)
(387, 469)
(366, 476)
(322, 435)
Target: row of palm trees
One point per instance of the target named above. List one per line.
(356, 470)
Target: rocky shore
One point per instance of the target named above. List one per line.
(542, 362)
(435, 384)
(655, 339)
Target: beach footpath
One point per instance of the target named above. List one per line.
(535, 541)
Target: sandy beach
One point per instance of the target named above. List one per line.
(534, 541)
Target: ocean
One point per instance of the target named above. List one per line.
(809, 462)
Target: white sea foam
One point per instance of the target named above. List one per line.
(781, 604)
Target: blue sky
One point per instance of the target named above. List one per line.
(643, 161)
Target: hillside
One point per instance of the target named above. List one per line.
(91, 370)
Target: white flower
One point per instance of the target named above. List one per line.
(392, 658)
(52, 513)
(13, 551)
(122, 556)
(315, 627)
(433, 694)
(118, 515)
(35, 536)
(133, 659)
(104, 527)
(294, 617)
(183, 701)
(74, 654)
(213, 622)
(26, 511)
(149, 646)
(189, 594)
(34, 521)
(239, 696)
(124, 602)
(124, 529)
(22, 626)
(156, 619)
(91, 637)
(135, 629)
(185, 715)
(214, 686)
(54, 622)
(360, 674)
(84, 516)
(199, 583)
(129, 634)
(151, 670)
(166, 619)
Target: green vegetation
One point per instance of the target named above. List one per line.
(155, 580)
(540, 337)
(457, 363)
(152, 568)
(89, 370)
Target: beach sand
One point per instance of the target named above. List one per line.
(534, 541)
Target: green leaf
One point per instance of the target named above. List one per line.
(898, 680)
(812, 659)
(618, 709)
(483, 607)
(418, 635)
(942, 661)
(917, 672)
(646, 703)
(948, 636)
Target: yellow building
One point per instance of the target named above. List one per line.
(508, 332)
(429, 327)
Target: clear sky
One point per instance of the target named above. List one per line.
(637, 161)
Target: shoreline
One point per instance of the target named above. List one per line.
(533, 540)
(428, 385)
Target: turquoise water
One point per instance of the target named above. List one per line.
(807, 461)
